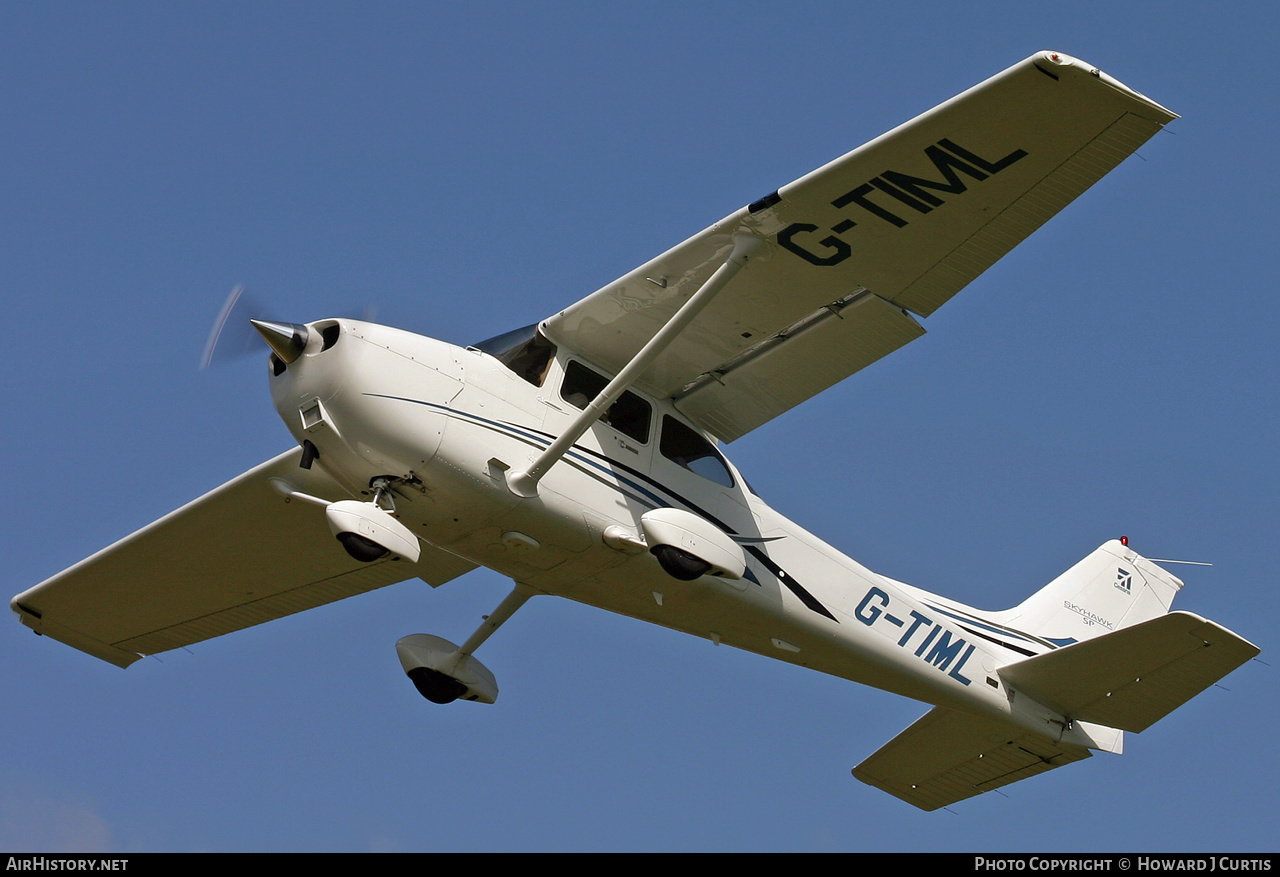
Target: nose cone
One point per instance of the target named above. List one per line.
(288, 340)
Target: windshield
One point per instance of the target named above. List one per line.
(525, 351)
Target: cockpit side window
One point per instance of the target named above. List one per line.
(629, 415)
(684, 446)
(525, 351)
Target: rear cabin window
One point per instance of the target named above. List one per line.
(684, 446)
(629, 415)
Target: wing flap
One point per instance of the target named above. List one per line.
(268, 608)
(947, 756)
(1135, 676)
(913, 216)
(237, 556)
(803, 361)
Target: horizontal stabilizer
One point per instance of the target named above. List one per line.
(947, 756)
(1135, 676)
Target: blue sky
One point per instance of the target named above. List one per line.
(471, 169)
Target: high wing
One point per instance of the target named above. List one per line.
(851, 250)
(237, 556)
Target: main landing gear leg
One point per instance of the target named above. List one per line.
(443, 672)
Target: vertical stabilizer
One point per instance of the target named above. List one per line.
(1112, 588)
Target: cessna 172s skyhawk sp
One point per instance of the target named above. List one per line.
(579, 457)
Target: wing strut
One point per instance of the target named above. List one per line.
(526, 483)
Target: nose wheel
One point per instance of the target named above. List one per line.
(443, 672)
(439, 687)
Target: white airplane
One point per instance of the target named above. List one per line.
(579, 456)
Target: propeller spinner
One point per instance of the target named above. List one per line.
(288, 340)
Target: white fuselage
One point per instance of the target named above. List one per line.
(449, 422)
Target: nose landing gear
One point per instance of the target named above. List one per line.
(443, 672)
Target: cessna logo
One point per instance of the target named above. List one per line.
(1124, 581)
(895, 190)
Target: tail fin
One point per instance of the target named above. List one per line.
(1112, 588)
